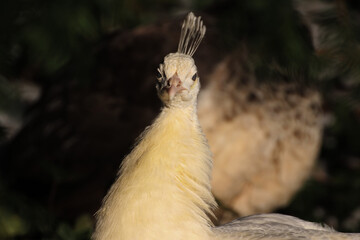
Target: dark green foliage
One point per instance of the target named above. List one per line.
(266, 23)
(55, 41)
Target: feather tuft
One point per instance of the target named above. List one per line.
(192, 32)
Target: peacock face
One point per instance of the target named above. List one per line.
(178, 81)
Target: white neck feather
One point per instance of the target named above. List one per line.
(163, 191)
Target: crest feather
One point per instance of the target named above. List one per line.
(192, 32)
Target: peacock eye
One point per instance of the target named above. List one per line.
(194, 77)
(158, 75)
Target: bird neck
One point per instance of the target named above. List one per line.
(163, 191)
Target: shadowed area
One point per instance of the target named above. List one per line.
(77, 86)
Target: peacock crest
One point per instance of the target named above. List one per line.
(192, 32)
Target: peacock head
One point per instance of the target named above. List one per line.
(178, 82)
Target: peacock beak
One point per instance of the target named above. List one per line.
(174, 86)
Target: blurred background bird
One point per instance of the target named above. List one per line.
(73, 99)
(265, 137)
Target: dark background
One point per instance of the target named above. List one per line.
(94, 62)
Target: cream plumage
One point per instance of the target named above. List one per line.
(163, 187)
(264, 137)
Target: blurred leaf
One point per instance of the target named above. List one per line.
(11, 224)
(84, 224)
(9, 97)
